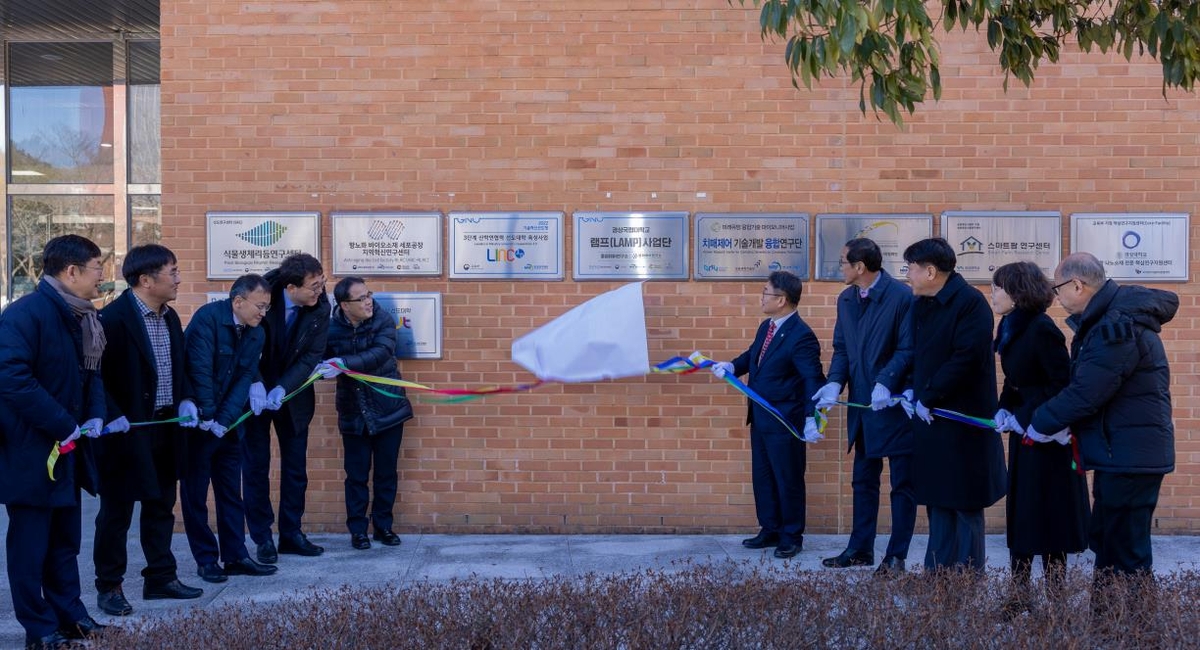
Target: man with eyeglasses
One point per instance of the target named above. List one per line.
(872, 358)
(1118, 405)
(296, 330)
(143, 375)
(52, 394)
(362, 338)
(223, 343)
(784, 364)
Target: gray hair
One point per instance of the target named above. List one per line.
(1083, 267)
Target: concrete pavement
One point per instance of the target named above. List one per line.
(423, 558)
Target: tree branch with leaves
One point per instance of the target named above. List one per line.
(888, 46)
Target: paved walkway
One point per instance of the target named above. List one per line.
(443, 557)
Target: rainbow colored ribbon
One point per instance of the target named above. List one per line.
(675, 365)
(67, 447)
(982, 423)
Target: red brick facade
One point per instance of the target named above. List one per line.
(624, 105)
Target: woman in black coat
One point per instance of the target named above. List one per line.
(363, 339)
(1047, 499)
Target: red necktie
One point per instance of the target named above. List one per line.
(766, 342)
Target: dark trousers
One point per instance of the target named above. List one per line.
(955, 539)
(865, 482)
(1122, 514)
(777, 462)
(256, 469)
(362, 451)
(219, 461)
(43, 567)
(157, 523)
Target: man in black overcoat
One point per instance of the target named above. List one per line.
(297, 328)
(958, 469)
(52, 343)
(872, 356)
(143, 376)
(784, 364)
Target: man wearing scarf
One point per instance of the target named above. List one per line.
(53, 394)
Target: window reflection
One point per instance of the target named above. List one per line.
(145, 220)
(35, 220)
(60, 112)
(145, 162)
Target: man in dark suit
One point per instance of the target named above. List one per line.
(223, 342)
(296, 330)
(143, 374)
(958, 470)
(872, 355)
(52, 393)
(784, 363)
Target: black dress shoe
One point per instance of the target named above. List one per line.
(849, 558)
(173, 590)
(82, 629)
(360, 541)
(266, 552)
(211, 573)
(248, 567)
(786, 550)
(891, 566)
(51, 641)
(387, 538)
(114, 603)
(762, 540)
(298, 544)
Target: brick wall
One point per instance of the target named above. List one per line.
(624, 105)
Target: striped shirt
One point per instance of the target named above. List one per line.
(160, 342)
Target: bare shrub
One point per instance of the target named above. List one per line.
(723, 606)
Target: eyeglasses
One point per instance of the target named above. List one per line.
(1056, 287)
(263, 307)
(174, 273)
(368, 296)
(317, 286)
(769, 294)
(845, 263)
(97, 269)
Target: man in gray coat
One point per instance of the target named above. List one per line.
(872, 352)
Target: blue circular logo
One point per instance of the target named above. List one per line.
(1131, 239)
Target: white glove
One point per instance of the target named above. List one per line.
(72, 438)
(811, 433)
(187, 409)
(119, 425)
(328, 370)
(1062, 437)
(881, 397)
(258, 397)
(207, 425)
(922, 412)
(907, 402)
(1001, 420)
(1033, 435)
(827, 396)
(93, 428)
(216, 429)
(722, 368)
(275, 398)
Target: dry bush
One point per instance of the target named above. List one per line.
(700, 606)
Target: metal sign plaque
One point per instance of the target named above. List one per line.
(1147, 247)
(387, 243)
(736, 246)
(631, 245)
(418, 323)
(893, 233)
(256, 242)
(985, 241)
(506, 245)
